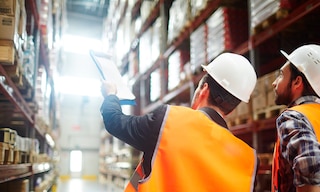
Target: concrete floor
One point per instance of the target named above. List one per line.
(80, 185)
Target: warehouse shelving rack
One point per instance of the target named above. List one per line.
(23, 110)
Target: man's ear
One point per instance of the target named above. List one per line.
(297, 83)
(205, 89)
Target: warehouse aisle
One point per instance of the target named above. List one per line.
(81, 185)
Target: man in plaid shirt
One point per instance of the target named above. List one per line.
(296, 162)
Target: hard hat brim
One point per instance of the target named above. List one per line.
(285, 54)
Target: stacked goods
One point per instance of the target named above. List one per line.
(146, 8)
(227, 29)
(9, 24)
(123, 39)
(270, 78)
(17, 55)
(7, 145)
(262, 10)
(145, 51)
(174, 69)
(259, 98)
(157, 47)
(198, 47)
(179, 16)
(133, 67)
(244, 113)
(155, 85)
(176, 62)
(266, 12)
(231, 118)
(263, 105)
(15, 149)
(197, 6)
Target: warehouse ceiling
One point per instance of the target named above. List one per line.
(95, 8)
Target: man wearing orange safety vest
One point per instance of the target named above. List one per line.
(190, 149)
(296, 161)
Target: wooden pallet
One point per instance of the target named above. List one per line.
(268, 112)
(280, 14)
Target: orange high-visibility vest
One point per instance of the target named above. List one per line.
(194, 153)
(311, 111)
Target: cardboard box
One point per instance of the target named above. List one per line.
(7, 52)
(8, 26)
(5, 135)
(9, 7)
(259, 102)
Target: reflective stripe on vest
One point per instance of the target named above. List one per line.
(195, 154)
(310, 112)
(138, 175)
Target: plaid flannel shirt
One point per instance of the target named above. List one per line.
(300, 150)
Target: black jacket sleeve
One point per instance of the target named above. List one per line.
(141, 132)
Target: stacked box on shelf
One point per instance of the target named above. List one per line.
(261, 10)
(9, 21)
(270, 78)
(5, 142)
(176, 63)
(240, 115)
(227, 29)
(179, 18)
(7, 52)
(158, 37)
(198, 47)
(145, 52)
(135, 29)
(244, 112)
(133, 68)
(40, 97)
(145, 9)
(263, 98)
(9, 144)
(155, 85)
(123, 39)
(259, 97)
(14, 45)
(231, 118)
(9, 38)
(112, 18)
(197, 6)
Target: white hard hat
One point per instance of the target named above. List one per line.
(307, 59)
(234, 73)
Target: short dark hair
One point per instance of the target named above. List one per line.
(219, 96)
(295, 72)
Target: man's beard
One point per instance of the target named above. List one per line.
(285, 98)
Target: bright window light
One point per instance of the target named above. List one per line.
(76, 161)
(78, 86)
(79, 44)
